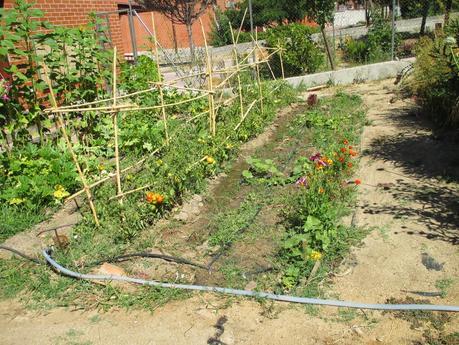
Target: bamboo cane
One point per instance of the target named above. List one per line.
(161, 95)
(126, 107)
(245, 115)
(61, 124)
(213, 122)
(281, 60)
(115, 130)
(267, 63)
(130, 192)
(106, 100)
(240, 26)
(238, 74)
(257, 67)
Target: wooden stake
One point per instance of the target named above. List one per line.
(61, 124)
(236, 60)
(212, 117)
(161, 95)
(115, 130)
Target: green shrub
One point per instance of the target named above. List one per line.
(300, 55)
(380, 40)
(375, 47)
(355, 50)
(435, 81)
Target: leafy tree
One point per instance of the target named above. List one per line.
(267, 12)
(301, 55)
(321, 11)
(220, 34)
(181, 12)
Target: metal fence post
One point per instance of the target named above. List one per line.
(393, 31)
(132, 32)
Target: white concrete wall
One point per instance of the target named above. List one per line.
(349, 17)
(377, 71)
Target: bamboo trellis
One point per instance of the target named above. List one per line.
(118, 105)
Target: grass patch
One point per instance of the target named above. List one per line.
(14, 220)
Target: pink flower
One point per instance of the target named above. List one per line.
(302, 181)
(315, 157)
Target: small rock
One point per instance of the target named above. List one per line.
(357, 330)
(109, 269)
(251, 285)
(182, 216)
(197, 198)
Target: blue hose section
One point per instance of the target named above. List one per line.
(256, 294)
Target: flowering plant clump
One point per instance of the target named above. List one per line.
(60, 192)
(154, 198)
(5, 88)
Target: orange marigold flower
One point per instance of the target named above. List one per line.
(345, 142)
(321, 190)
(154, 198)
(349, 165)
(341, 159)
(357, 181)
(350, 147)
(343, 150)
(352, 153)
(150, 197)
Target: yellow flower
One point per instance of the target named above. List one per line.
(210, 160)
(60, 192)
(315, 255)
(16, 201)
(329, 161)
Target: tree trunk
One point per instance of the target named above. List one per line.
(327, 47)
(367, 14)
(174, 37)
(189, 31)
(448, 5)
(425, 13)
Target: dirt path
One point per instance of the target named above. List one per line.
(413, 247)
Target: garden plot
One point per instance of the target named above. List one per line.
(392, 252)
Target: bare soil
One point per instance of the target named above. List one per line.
(408, 197)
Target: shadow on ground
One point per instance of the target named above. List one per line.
(427, 189)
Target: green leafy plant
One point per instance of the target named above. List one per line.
(435, 81)
(262, 170)
(300, 54)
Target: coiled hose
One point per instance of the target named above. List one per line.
(283, 298)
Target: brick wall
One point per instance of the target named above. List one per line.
(75, 13)
(164, 30)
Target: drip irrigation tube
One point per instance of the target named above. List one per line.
(283, 298)
(22, 255)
